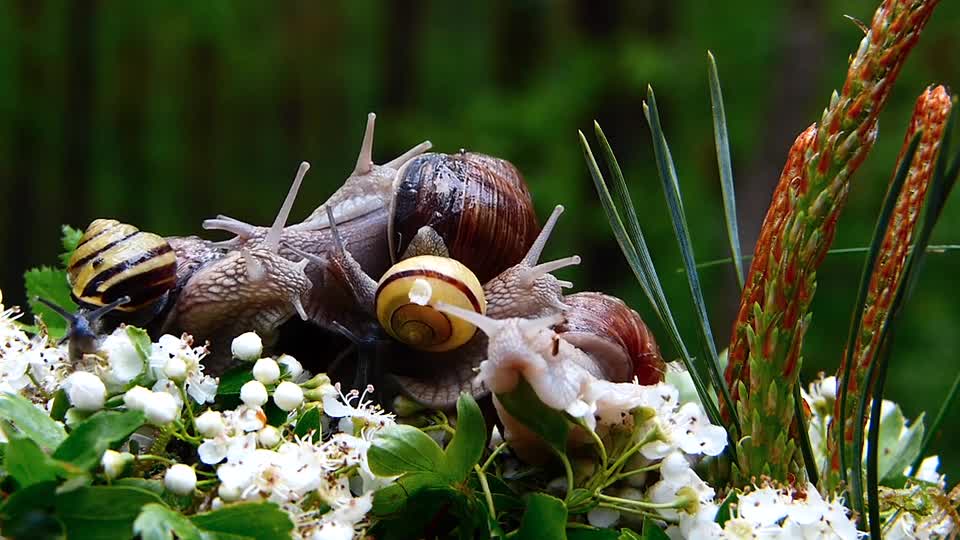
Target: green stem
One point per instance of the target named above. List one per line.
(679, 503)
(486, 491)
(181, 386)
(569, 471)
(493, 454)
(652, 435)
(596, 440)
(629, 510)
(439, 427)
(153, 457)
(628, 474)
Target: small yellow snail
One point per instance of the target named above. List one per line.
(114, 260)
(409, 290)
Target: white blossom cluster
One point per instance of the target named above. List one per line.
(30, 365)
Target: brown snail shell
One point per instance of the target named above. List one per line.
(613, 335)
(479, 205)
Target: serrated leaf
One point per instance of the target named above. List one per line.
(545, 518)
(260, 520)
(31, 421)
(101, 512)
(50, 284)
(69, 239)
(92, 437)
(466, 447)
(400, 449)
(157, 522)
(524, 405)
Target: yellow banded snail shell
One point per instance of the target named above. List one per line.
(409, 290)
(114, 260)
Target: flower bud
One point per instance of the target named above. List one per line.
(288, 396)
(175, 369)
(210, 424)
(266, 371)
(85, 390)
(136, 398)
(229, 492)
(253, 394)
(180, 479)
(247, 347)
(318, 380)
(294, 368)
(268, 437)
(405, 406)
(161, 409)
(115, 463)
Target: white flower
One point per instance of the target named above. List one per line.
(763, 506)
(341, 521)
(161, 409)
(266, 370)
(180, 479)
(175, 369)
(294, 368)
(125, 363)
(247, 347)
(676, 475)
(269, 437)
(927, 471)
(253, 394)
(85, 390)
(210, 424)
(288, 396)
(363, 416)
(115, 463)
(136, 398)
(688, 429)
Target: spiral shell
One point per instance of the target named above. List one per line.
(478, 204)
(614, 335)
(409, 290)
(114, 260)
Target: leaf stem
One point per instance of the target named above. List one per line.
(486, 491)
(493, 454)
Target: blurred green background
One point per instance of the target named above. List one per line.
(163, 113)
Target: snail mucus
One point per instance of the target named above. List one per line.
(457, 229)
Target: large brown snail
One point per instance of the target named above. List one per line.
(455, 228)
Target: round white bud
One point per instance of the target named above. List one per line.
(115, 463)
(253, 394)
(247, 347)
(294, 367)
(180, 479)
(85, 390)
(269, 437)
(229, 492)
(161, 409)
(288, 396)
(266, 370)
(175, 369)
(136, 398)
(210, 424)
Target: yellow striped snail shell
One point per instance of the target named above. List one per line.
(114, 260)
(409, 290)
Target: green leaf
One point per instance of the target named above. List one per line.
(550, 424)
(157, 522)
(92, 437)
(723, 512)
(153, 486)
(31, 421)
(652, 531)
(50, 284)
(393, 498)
(141, 341)
(629, 534)
(899, 445)
(27, 463)
(399, 449)
(722, 142)
(544, 519)
(309, 421)
(592, 533)
(102, 512)
(69, 239)
(231, 381)
(29, 513)
(260, 520)
(466, 447)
